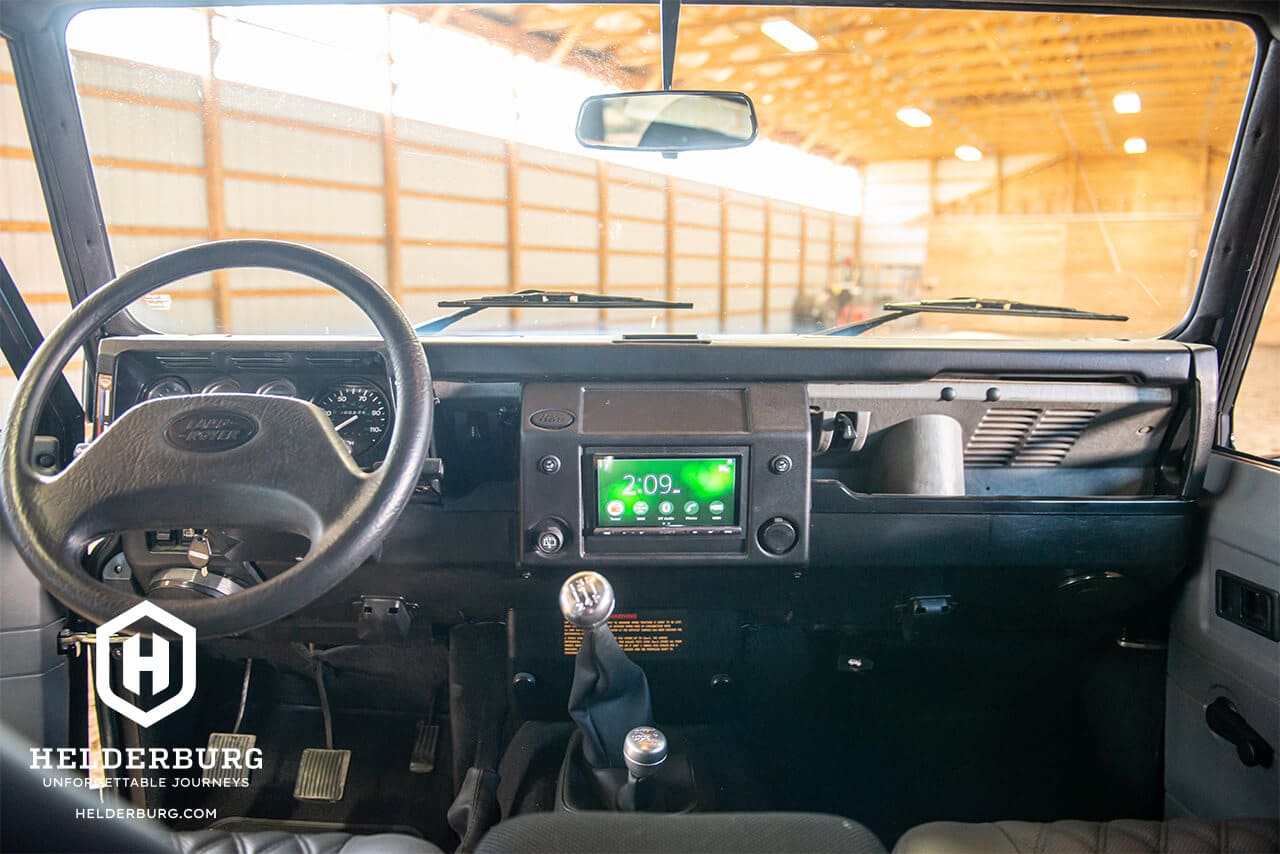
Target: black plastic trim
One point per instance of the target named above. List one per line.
(42, 70)
(1236, 227)
(833, 497)
(800, 359)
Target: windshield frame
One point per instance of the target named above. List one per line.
(42, 70)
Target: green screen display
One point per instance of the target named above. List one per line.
(666, 493)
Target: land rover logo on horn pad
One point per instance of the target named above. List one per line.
(209, 430)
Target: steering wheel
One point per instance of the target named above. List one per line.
(220, 461)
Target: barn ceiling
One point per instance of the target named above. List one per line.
(1003, 82)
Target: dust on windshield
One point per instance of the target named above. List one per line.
(1051, 159)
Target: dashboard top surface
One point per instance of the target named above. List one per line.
(718, 358)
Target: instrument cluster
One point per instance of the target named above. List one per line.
(359, 407)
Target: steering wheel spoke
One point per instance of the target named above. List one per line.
(235, 461)
(217, 461)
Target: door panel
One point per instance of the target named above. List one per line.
(1211, 656)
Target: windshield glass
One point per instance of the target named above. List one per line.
(1052, 159)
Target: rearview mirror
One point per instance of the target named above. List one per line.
(667, 121)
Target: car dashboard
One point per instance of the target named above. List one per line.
(892, 487)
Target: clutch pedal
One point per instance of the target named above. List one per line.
(322, 773)
(234, 746)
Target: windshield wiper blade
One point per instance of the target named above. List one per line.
(969, 305)
(538, 298)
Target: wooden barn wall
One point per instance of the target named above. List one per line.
(431, 212)
(1118, 234)
(1093, 233)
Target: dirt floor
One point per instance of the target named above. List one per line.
(1257, 416)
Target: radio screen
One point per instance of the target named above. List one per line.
(666, 493)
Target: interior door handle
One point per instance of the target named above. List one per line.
(1225, 720)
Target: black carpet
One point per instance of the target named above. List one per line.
(381, 793)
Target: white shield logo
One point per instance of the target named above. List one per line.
(135, 662)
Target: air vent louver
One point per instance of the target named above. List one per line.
(260, 360)
(348, 361)
(1025, 438)
(185, 361)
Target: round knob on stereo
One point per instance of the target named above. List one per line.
(549, 537)
(778, 536)
(586, 599)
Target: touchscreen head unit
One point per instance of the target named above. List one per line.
(676, 492)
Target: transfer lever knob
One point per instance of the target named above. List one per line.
(644, 751)
(586, 599)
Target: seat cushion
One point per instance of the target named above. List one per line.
(277, 842)
(1176, 836)
(710, 833)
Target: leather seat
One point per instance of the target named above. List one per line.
(710, 833)
(261, 842)
(1178, 835)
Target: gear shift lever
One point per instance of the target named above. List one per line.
(610, 694)
(586, 600)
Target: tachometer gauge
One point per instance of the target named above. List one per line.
(360, 413)
(167, 387)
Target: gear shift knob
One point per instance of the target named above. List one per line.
(586, 599)
(645, 749)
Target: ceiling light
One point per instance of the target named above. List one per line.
(1127, 102)
(969, 153)
(913, 117)
(789, 35)
(1135, 145)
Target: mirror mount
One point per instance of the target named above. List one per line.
(669, 12)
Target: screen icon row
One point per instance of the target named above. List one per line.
(617, 508)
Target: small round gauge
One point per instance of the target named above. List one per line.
(359, 412)
(222, 385)
(278, 387)
(166, 387)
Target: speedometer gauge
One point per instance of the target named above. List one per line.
(360, 413)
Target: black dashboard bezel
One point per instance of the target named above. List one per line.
(129, 377)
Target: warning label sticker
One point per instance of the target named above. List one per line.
(636, 634)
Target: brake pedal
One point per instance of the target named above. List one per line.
(233, 745)
(322, 775)
(423, 759)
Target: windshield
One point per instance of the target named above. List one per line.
(1050, 159)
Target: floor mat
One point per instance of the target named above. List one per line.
(381, 792)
